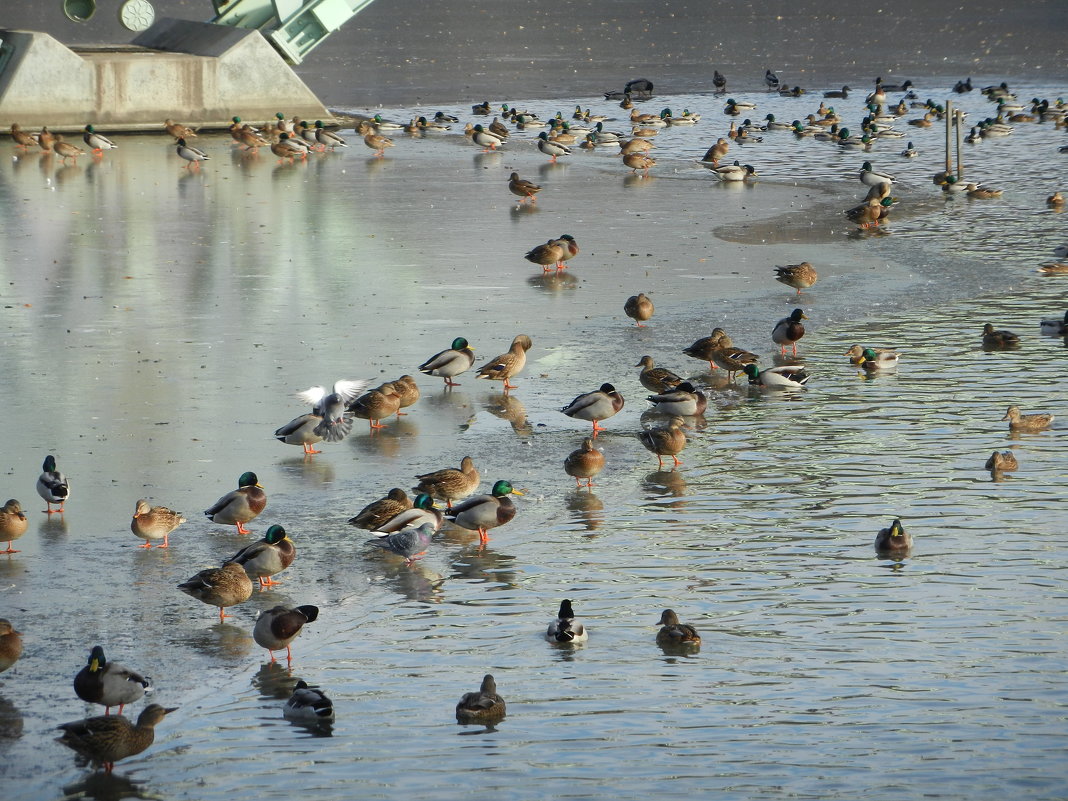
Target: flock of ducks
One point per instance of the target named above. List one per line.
(405, 526)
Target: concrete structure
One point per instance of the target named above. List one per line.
(193, 72)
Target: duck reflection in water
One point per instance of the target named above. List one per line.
(484, 563)
(510, 408)
(416, 581)
(586, 508)
(661, 485)
(554, 282)
(108, 787)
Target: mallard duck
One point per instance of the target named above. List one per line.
(376, 405)
(308, 705)
(675, 634)
(421, 511)
(450, 484)
(377, 143)
(552, 148)
(639, 162)
(549, 255)
(789, 330)
(21, 138)
(735, 172)
(411, 542)
(869, 177)
(703, 348)
(994, 339)
(263, 559)
(635, 145)
(666, 441)
(893, 541)
(716, 153)
(108, 683)
(981, 192)
(482, 706)
(1054, 327)
(485, 140)
(483, 512)
(240, 506)
(378, 512)
(106, 739)
(301, 431)
(856, 353)
(154, 523)
(1005, 461)
(449, 363)
(46, 139)
(733, 360)
(584, 463)
(509, 364)
(247, 137)
(53, 486)
(65, 149)
(787, 376)
(192, 155)
(276, 628)
(874, 360)
(407, 390)
(1055, 201)
(327, 138)
(10, 644)
(97, 142)
(910, 151)
(1053, 268)
(481, 108)
(224, 586)
(523, 188)
(595, 406)
(842, 93)
(566, 629)
(799, 276)
(639, 308)
(13, 524)
(871, 213)
(499, 129)
(656, 379)
(287, 148)
(1027, 422)
(684, 400)
(569, 249)
(771, 80)
(177, 130)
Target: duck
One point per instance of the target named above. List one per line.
(881, 357)
(10, 644)
(287, 148)
(635, 145)
(595, 406)
(485, 140)
(46, 140)
(684, 400)
(327, 138)
(301, 431)
(154, 523)
(994, 339)
(735, 172)
(870, 177)
(421, 511)
(569, 248)
(639, 162)
(586, 462)
(551, 148)
(499, 129)
(53, 486)
(871, 213)
(382, 510)
(108, 683)
(450, 484)
(482, 706)
(520, 187)
(605, 136)
(656, 379)
(267, 557)
(308, 704)
(177, 130)
(97, 142)
(910, 151)
(379, 124)
(674, 634)
(799, 276)
(639, 308)
(507, 365)
(716, 153)
(21, 138)
(224, 586)
(732, 359)
(1005, 462)
(1027, 422)
(789, 330)
(893, 541)
(566, 629)
(411, 542)
(549, 255)
(240, 506)
(65, 150)
(377, 142)
(442, 117)
(787, 376)
(482, 108)
(981, 192)
(483, 512)
(703, 348)
(842, 93)
(277, 627)
(192, 155)
(408, 390)
(106, 739)
(376, 405)
(1055, 201)
(1054, 327)
(448, 364)
(13, 523)
(667, 440)
(249, 139)
(1053, 268)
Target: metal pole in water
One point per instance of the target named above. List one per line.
(958, 119)
(949, 121)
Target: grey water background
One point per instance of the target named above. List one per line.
(157, 323)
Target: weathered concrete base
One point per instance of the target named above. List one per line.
(193, 72)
